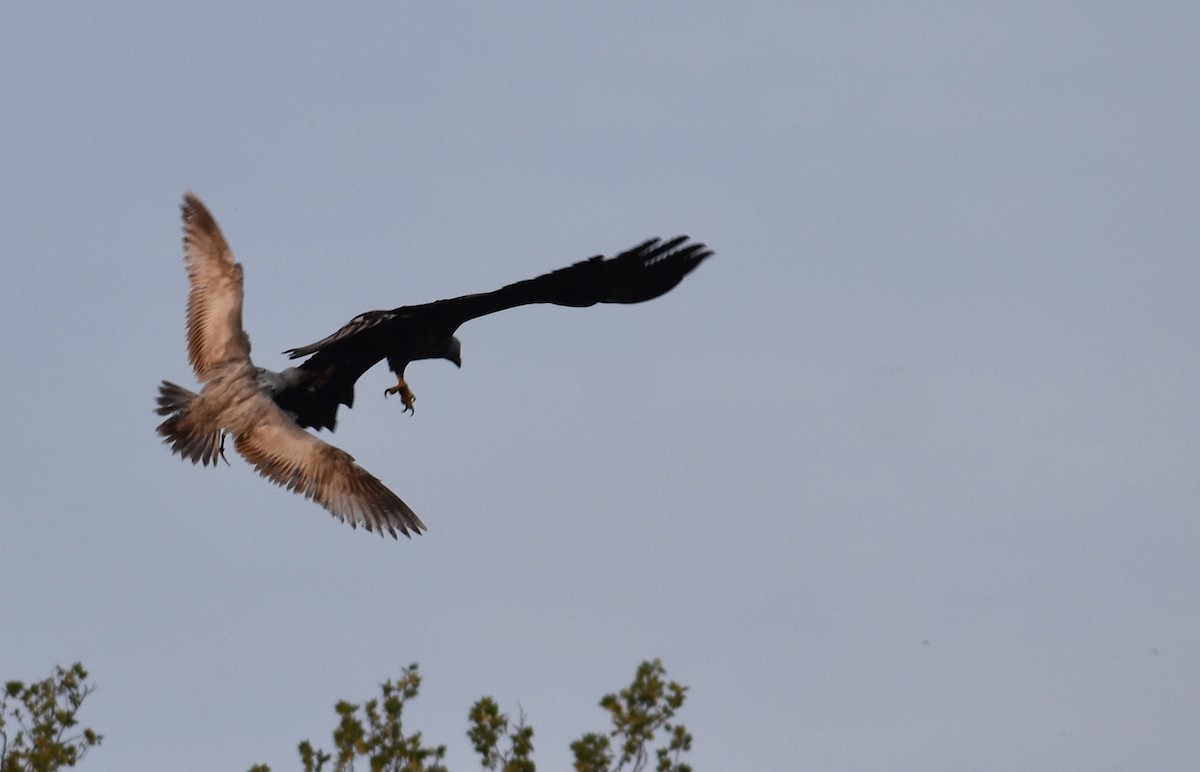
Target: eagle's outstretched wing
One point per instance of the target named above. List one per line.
(214, 310)
(644, 272)
(408, 333)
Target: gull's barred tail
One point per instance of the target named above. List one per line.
(200, 445)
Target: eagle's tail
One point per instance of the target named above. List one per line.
(186, 436)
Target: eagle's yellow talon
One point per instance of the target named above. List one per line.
(406, 395)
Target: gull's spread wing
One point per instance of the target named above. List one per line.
(289, 456)
(214, 313)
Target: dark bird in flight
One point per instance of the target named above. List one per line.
(266, 411)
(408, 333)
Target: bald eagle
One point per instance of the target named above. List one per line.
(266, 412)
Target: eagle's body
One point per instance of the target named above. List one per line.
(410, 333)
(266, 412)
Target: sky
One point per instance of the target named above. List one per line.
(904, 478)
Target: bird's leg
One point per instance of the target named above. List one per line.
(222, 449)
(406, 395)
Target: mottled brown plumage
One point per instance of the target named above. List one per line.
(238, 398)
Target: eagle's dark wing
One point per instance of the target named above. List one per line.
(336, 364)
(426, 331)
(642, 273)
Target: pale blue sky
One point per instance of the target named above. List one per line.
(906, 477)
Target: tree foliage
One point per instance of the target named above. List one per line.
(39, 730)
(374, 732)
(38, 724)
(638, 713)
(488, 726)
